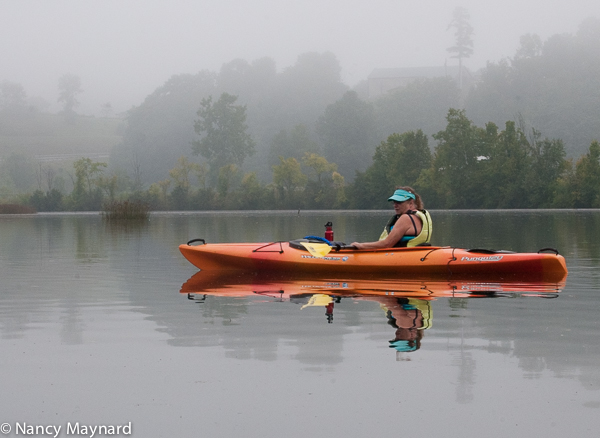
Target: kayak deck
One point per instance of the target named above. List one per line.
(429, 261)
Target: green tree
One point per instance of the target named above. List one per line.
(531, 47)
(161, 129)
(347, 130)
(339, 187)
(252, 195)
(553, 84)
(304, 90)
(289, 181)
(281, 101)
(399, 160)
(565, 195)
(403, 157)
(587, 178)
(458, 167)
(363, 187)
(182, 171)
(12, 96)
(86, 194)
(229, 177)
(19, 172)
(548, 165)
(201, 172)
(463, 43)
(52, 200)
(319, 167)
(293, 144)
(110, 185)
(422, 104)
(222, 125)
(181, 175)
(322, 191)
(158, 194)
(506, 167)
(480, 167)
(69, 86)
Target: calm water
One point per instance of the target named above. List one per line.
(94, 330)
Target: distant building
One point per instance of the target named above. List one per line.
(383, 80)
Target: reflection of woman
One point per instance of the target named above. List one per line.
(410, 317)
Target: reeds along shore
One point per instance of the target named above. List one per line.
(125, 210)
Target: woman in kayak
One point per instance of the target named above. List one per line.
(410, 226)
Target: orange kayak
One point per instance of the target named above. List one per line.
(419, 261)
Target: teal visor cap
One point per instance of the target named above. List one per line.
(401, 196)
(401, 345)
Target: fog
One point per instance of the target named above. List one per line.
(123, 50)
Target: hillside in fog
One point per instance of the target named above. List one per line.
(550, 86)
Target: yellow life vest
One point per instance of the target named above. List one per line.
(423, 237)
(425, 308)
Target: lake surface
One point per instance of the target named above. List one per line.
(95, 331)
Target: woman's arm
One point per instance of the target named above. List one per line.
(401, 227)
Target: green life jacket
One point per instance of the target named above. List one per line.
(423, 237)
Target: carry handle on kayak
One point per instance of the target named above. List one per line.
(197, 240)
(548, 249)
(260, 248)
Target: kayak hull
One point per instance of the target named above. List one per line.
(426, 261)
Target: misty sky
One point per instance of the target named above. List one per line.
(124, 49)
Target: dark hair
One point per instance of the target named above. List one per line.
(418, 202)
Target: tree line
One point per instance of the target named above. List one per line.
(471, 167)
(312, 142)
(482, 167)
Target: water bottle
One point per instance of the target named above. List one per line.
(329, 231)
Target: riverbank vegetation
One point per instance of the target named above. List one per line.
(471, 167)
(125, 211)
(16, 209)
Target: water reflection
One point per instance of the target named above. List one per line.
(81, 298)
(242, 283)
(405, 303)
(410, 317)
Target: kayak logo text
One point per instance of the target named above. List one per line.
(322, 258)
(482, 259)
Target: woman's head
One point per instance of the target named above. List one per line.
(408, 195)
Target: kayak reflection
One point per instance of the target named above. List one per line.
(282, 286)
(405, 303)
